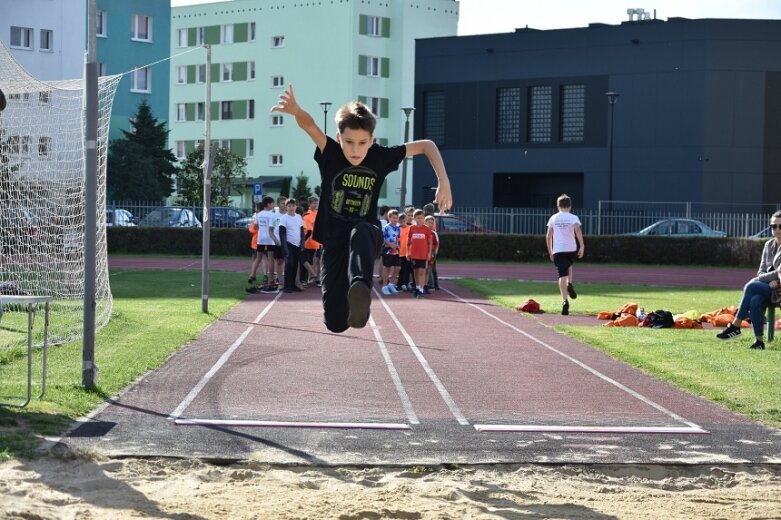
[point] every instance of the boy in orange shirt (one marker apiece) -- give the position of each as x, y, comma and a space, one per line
419, 247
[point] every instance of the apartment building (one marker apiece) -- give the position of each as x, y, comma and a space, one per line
49, 39
331, 51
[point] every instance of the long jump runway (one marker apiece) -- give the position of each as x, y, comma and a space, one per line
451, 378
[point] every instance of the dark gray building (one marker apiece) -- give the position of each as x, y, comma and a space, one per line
522, 117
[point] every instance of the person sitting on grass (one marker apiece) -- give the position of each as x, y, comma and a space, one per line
761, 291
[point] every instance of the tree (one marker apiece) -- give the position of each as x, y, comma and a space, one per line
302, 187
229, 170
140, 166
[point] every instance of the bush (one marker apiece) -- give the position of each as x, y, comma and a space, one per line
735, 252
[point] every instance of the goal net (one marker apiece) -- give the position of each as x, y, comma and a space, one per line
42, 194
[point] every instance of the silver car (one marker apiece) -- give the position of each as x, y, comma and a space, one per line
170, 217
679, 227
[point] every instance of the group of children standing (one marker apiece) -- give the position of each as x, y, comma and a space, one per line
283, 247
409, 250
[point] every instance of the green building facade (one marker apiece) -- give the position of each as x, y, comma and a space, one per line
330, 51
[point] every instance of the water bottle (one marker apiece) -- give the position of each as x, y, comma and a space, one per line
640, 314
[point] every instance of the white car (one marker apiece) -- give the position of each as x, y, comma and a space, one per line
118, 217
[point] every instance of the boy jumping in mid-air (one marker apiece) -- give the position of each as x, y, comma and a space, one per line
565, 242
352, 170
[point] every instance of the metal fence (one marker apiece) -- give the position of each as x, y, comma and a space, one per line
613, 219
533, 221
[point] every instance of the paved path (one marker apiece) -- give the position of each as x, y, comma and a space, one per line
448, 379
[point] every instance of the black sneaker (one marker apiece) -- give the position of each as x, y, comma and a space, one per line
359, 297
758, 345
565, 309
571, 291
269, 289
730, 332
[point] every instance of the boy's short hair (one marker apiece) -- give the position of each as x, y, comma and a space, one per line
393, 212
267, 200
564, 201
417, 212
384, 209
430, 218
291, 202
429, 209
355, 116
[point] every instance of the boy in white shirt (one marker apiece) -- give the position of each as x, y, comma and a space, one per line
268, 243
565, 242
293, 225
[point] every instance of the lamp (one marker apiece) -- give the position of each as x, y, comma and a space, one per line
403, 190
326, 105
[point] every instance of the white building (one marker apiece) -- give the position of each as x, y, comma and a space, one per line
46, 37
331, 51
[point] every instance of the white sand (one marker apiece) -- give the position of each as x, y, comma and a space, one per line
85, 488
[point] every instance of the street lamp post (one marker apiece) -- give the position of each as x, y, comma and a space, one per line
403, 190
612, 99
326, 105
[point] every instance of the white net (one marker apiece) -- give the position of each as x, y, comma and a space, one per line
42, 193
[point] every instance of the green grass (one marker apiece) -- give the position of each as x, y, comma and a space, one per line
155, 313
726, 372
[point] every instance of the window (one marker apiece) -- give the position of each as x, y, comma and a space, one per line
251, 109
181, 74
251, 71
277, 81
225, 144
275, 159
44, 145
200, 111
200, 74
277, 120
508, 115
181, 37
200, 37
21, 37
44, 97
47, 40
180, 112
101, 24
374, 105
102, 70
374, 26
252, 31
434, 116
573, 112
227, 33
181, 150
227, 72
277, 42
26, 139
250, 148
141, 28
373, 66
141, 80
226, 110
540, 111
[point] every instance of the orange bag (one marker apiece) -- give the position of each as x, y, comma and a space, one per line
625, 320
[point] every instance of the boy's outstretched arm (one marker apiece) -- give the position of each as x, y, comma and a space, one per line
287, 104
443, 197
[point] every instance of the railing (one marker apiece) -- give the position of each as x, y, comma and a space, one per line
605, 220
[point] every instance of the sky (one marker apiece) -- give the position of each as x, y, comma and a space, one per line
495, 16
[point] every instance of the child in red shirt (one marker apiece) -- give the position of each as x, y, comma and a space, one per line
419, 248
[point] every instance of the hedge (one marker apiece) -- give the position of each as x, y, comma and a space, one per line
736, 252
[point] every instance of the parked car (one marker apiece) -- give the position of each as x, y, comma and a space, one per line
170, 217
118, 217
450, 223
222, 216
679, 227
765, 233
243, 222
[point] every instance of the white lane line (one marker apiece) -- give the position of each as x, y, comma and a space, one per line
451, 404
220, 362
288, 424
587, 429
584, 366
403, 396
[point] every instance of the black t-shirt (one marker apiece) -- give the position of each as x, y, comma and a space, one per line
349, 193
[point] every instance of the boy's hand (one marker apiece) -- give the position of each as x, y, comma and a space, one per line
287, 102
443, 197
